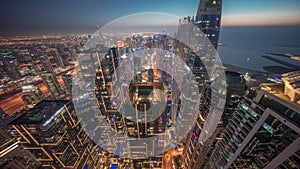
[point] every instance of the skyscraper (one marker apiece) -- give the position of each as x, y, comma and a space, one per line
53, 134
264, 132
12, 155
208, 19
196, 153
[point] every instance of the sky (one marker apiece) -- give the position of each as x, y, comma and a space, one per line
21, 17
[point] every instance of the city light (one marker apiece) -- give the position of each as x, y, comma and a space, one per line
207, 84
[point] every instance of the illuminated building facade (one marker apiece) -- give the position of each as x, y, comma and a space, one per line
264, 132
9, 66
53, 134
14, 156
195, 154
208, 19
31, 95
146, 87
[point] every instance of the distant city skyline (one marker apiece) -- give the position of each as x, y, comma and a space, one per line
45, 17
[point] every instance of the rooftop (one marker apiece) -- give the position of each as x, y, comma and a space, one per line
276, 90
292, 85
41, 114
293, 78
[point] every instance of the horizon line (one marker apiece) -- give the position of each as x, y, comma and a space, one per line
81, 32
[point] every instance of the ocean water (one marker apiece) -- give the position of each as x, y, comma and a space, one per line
244, 46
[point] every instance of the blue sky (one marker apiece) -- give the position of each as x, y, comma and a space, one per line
19, 16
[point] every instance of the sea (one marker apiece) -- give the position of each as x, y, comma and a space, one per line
245, 46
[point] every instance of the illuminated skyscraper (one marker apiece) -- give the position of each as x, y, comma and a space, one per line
12, 155
264, 132
53, 134
195, 153
208, 19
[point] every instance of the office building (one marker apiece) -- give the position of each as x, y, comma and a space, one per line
208, 20
12, 155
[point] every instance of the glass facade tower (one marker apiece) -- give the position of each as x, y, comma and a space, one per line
208, 19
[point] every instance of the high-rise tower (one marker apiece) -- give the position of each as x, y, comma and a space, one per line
208, 19
196, 153
52, 133
264, 132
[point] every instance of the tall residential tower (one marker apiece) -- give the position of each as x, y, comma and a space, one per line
264, 132
208, 19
